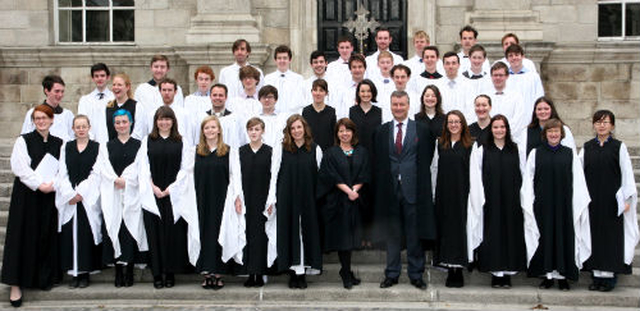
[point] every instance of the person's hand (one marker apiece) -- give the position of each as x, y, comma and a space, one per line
270, 209
76, 199
46, 187
353, 195
119, 183
157, 192
238, 205
627, 206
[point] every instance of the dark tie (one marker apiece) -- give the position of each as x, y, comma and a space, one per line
100, 95
399, 139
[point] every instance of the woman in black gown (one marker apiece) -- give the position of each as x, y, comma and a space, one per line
344, 170
543, 111
215, 174
124, 239
495, 221
255, 164
31, 242
480, 129
431, 110
292, 195
367, 119
320, 116
170, 240
555, 203
452, 191
78, 206
612, 187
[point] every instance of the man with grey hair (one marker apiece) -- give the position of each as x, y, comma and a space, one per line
403, 207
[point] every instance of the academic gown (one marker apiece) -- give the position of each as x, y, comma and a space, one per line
295, 205
531, 137
80, 223
495, 220
124, 235
435, 124
387, 222
478, 134
216, 183
31, 242
555, 203
366, 125
322, 125
341, 219
255, 185
451, 166
610, 181
167, 237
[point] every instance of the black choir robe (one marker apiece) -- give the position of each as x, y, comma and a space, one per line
31, 253
167, 239
604, 178
79, 166
120, 157
383, 187
435, 125
129, 105
479, 135
452, 193
322, 125
341, 219
296, 209
256, 173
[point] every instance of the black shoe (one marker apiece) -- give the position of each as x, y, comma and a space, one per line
169, 280
596, 284
563, 285
128, 275
251, 281
419, 284
16, 303
496, 281
259, 281
119, 282
75, 282
546, 284
450, 278
157, 282
207, 283
388, 282
506, 281
607, 285
302, 282
354, 280
293, 280
346, 279
455, 278
83, 280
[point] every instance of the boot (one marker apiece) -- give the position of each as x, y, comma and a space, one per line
347, 282
128, 276
119, 282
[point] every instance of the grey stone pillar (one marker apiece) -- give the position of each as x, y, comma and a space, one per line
220, 21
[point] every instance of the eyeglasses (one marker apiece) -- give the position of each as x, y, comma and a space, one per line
601, 122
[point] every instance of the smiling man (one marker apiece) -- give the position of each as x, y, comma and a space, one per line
288, 83
383, 41
241, 50
147, 94
53, 87
100, 76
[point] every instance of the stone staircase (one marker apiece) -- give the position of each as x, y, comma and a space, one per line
325, 291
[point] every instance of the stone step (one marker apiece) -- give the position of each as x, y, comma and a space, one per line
5, 189
635, 161
365, 296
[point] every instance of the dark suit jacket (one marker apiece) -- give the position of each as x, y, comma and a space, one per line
416, 155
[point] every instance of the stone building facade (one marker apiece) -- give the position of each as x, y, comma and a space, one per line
580, 71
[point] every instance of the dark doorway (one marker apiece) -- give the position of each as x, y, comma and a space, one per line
391, 14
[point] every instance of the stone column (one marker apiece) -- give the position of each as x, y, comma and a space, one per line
303, 32
220, 21
513, 16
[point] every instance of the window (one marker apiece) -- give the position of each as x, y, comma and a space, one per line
619, 19
94, 21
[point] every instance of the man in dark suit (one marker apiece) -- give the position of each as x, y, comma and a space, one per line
403, 202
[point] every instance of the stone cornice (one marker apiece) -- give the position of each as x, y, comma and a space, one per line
599, 53
84, 56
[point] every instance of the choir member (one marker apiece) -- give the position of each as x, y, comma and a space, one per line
431, 112
494, 222
451, 168
166, 190
255, 164
543, 111
480, 129
185, 125
344, 170
555, 204
384, 82
357, 67
217, 188
79, 214
199, 100
477, 77
523, 80
456, 91
31, 242
506, 101
612, 187
292, 195
229, 121
469, 38
124, 236
246, 103
432, 70
318, 62
288, 83
102, 129
274, 123
339, 68
320, 117
383, 40
241, 50
148, 93
421, 40
53, 87
367, 117
100, 76
508, 40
